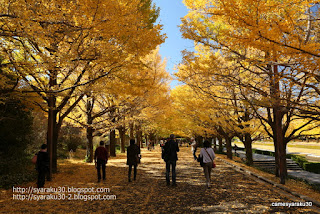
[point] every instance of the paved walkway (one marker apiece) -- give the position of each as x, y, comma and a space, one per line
309, 177
231, 192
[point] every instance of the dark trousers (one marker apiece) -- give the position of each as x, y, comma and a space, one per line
194, 153
134, 172
173, 165
41, 178
101, 164
207, 167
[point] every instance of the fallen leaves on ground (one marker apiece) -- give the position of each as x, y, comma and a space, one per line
231, 191
295, 185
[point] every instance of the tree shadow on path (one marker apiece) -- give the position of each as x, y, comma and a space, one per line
231, 192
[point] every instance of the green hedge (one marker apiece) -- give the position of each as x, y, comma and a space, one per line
305, 164
298, 159
15, 139
16, 170
312, 167
263, 152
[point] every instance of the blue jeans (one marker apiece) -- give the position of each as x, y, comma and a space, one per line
173, 164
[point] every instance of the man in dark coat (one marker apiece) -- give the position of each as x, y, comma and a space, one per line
42, 165
133, 158
100, 159
170, 156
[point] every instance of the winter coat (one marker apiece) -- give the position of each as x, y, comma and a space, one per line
42, 161
132, 154
170, 151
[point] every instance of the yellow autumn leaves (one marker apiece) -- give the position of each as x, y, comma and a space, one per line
250, 57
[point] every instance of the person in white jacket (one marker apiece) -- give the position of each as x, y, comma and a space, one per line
208, 156
194, 148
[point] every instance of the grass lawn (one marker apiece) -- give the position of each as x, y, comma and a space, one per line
291, 145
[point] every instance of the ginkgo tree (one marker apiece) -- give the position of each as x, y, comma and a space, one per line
187, 111
267, 41
155, 102
204, 72
59, 47
117, 101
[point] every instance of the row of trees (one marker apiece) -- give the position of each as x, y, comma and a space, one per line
95, 64
254, 71
92, 63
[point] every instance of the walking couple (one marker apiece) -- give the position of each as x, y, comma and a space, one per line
133, 158
170, 157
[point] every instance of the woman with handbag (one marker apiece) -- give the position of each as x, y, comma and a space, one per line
133, 158
207, 155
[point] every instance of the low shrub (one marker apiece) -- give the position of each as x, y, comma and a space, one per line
312, 167
16, 170
300, 160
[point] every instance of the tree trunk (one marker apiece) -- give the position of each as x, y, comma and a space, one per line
229, 147
248, 145
89, 144
122, 132
281, 147
278, 116
108, 149
276, 157
199, 140
131, 127
283, 163
139, 136
55, 147
90, 130
52, 136
113, 143
220, 144
50, 142
152, 137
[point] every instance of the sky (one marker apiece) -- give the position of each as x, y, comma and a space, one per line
170, 13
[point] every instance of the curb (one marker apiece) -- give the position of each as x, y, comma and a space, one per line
280, 186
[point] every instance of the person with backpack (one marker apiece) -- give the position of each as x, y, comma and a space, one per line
207, 155
170, 156
42, 165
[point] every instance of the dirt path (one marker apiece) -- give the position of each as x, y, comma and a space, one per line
232, 192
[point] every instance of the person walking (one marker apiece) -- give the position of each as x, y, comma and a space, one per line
208, 156
101, 159
133, 158
162, 143
194, 148
170, 157
42, 165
